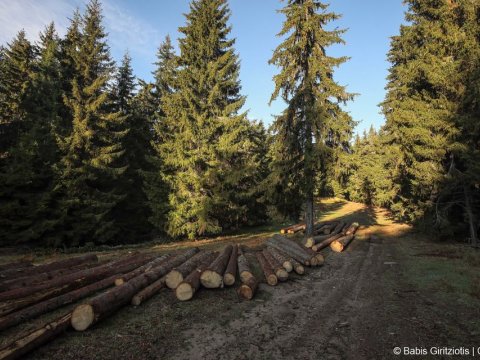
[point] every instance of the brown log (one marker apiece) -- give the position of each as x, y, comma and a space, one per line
281, 258
278, 269
31, 295
148, 292
21, 264
340, 244
87, 314
55, 265
285, 230
297, 267
267, 269
352, 228
212, 277
176, 276
191, 284
338, 229
296, 228
231, 271
293, 249
54, 303
314, 259
141, 269
326, 242
243, 267
247, 289
31, 280
36, 338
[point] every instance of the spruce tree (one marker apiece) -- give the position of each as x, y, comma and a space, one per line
422, 98
313, 120
88, 169
209, 135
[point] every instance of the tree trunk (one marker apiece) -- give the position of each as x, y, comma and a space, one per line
149, 291
36, 338
54, 303
296, 228
17, 265
243, 267
247, 289
87, 314
280, 272
191, 284
300, 253
141, 269
340, 244
327, 242
56, 265
352, 228
471, 217
231, 271
309, 172
212, 277
267, 269
297, 267
281, 258
176, 276
75, 280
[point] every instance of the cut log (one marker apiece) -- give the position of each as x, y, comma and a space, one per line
293, 249
31, 295
188, 287
284, 260
285, 230
148, 292
326, 242
352, 228
338, 229
340, 244
56, 265
231, 271
87, 314
21, 264
247, 289
176, 276
296, 228
244, 267
297, 267
212, 277
267, 269
141, 269
278, 269
36, 338
54, 303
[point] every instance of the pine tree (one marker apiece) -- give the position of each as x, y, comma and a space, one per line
88, 170
209, 136
132, 213
313, 120
422, 98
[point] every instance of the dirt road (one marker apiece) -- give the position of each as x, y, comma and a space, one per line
359, 305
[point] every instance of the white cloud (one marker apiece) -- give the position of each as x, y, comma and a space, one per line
33, 16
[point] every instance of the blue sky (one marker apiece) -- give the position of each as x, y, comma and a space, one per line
140, 26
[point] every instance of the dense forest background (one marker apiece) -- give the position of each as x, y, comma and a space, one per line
91, 154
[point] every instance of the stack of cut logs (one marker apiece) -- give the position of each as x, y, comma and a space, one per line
28, 291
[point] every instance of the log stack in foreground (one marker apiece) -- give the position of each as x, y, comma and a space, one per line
212, 277
188, 287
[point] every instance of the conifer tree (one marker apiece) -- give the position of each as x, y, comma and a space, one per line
205, 151
88, 169
313, 120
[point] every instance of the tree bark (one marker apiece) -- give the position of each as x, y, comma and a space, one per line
149, 291
267, 269
54, 303
296, 228
212, 277
55, 265
191, 284
87, 314
247, 289
281, 258
176, 276
243, 267
340, 244
75, 280
297, 267
326, 242
17, 265
352, 228
280, 272
298, 252
141, 269
471, 217
36, 338
231, 271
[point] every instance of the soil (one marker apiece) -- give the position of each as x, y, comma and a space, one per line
360, 305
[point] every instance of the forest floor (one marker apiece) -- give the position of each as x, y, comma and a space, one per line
403, 290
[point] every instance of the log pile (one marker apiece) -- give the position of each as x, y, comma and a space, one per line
28, 291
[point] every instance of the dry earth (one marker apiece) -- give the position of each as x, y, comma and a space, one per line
402, 290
